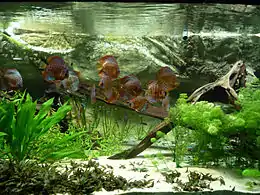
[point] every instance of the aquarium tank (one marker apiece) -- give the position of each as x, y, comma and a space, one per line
129, 98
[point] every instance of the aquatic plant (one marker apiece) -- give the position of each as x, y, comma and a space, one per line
217, 135
54, 145
118, 123
251, 173
76, 178
196, 181
22, 125
78, 112
102, 132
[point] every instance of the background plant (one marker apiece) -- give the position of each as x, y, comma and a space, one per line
217, 137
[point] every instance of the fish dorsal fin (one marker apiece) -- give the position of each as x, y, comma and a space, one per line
52, 59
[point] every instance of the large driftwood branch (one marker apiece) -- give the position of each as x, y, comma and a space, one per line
234, 79
164, 127
85, 90
224, 89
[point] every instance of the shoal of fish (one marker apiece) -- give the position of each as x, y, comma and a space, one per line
127, 89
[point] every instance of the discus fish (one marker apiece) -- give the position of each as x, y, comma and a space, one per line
108, 65
108, 71
71, 83
55, 60
10, 79
138, 103
112, 95
105, 82
156, 91
130, 87
55, 70
167, 77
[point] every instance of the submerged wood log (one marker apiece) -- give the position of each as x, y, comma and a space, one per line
224, 89
85, 90
164, 127
229, 83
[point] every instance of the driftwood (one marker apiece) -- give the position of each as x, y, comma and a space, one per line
164, 127
224, 89
229, 83
152, 111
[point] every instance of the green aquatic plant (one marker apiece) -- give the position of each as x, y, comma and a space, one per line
22, 126
218, 136
251, 173
54, 145
72, 178
102, 132
180, 133
118, 123
159, 158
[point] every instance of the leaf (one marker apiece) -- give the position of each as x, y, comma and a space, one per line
45, 108
2, 134
251, 173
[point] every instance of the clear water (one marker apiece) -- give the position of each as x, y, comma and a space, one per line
146, 37
131, 19
40, 21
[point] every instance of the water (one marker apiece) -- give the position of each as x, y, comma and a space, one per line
144, 36
132, 19
122, 19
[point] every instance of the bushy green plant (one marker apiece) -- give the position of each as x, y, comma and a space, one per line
22, 127
200, 124
54, 145
218, 135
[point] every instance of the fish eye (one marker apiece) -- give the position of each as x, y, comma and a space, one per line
240, 63
130, 104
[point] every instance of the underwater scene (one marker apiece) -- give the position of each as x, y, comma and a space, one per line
129, 98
